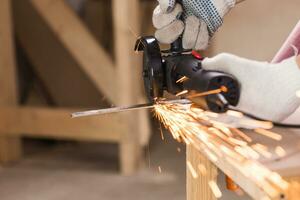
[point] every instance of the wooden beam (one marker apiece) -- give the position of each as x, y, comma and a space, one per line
198, 187
126, 27
51, 60
97, 17
57, 123
10, 147
92, 59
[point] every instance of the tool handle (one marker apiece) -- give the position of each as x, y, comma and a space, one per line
200, 81
176, 46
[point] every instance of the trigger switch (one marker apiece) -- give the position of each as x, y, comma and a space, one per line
197, 55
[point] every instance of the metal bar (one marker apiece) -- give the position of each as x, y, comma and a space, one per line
112, 110
124, 108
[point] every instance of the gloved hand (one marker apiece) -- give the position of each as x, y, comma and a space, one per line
202, 18
268, 91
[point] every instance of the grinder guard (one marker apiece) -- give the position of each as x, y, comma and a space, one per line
153, 74
162, 69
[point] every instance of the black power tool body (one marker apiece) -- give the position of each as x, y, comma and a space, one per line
163, 69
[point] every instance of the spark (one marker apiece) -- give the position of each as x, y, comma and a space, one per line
256, 123
223, 128
242, 135
182, 93
269, 134
280, 151
247, 152
159, 169
216, 91
262, 150
215, 189
217, 141
202, 169
253, 154
192, 170
182, 79
161, 132
238, 142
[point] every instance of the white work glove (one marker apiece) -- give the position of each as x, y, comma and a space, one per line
202, 18
268, 91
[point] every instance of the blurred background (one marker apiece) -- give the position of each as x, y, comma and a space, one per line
60, 56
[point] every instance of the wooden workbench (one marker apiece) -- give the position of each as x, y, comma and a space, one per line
288, 167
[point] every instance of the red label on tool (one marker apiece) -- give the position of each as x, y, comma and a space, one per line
197, 55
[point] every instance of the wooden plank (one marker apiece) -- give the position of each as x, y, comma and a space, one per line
198, 187
57, 123
53, 64
7, 57
10, 147
241, 179
97, 17
294, 189
193, 191
84, 48
126, 27
288, 166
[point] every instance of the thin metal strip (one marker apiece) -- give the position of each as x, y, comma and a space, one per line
123, 108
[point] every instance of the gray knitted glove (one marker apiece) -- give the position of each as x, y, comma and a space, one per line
201, 19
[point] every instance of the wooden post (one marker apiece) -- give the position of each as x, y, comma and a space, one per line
10, 147
126, 27
198, 188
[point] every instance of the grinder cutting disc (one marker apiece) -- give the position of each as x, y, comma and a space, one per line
153, 71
